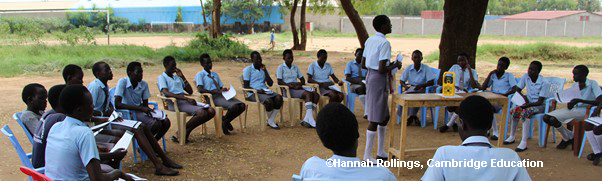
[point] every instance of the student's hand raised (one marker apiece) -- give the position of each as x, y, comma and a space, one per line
493, 72
179, 72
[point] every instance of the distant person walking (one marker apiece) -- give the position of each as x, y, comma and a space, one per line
272, 40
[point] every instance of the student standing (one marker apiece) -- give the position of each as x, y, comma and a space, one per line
377, 54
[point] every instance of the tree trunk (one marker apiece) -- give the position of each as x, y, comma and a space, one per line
462, 24
303, 28
204, 16
294, 26
215, 19
356, 20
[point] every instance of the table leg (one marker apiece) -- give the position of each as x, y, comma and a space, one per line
500, 139
402, 137
391, 131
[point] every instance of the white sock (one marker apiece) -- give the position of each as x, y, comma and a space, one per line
494, 127
369, 141
381, 141
452, 119
525, 136
309, 116
599, 139
593, 141
566, 133
272, 114
512, 131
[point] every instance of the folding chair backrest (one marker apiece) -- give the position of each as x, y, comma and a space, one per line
555, 85
24, 158
37, 176
17, 117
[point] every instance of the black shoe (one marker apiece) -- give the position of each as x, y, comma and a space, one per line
417, 121
591, 157
520, 150
170, 172
443, 128
229, 126
494, 137
508, 142
597, 159
455, 127
175, 140
563, 144
225, 129
382, 158
276, 127
305, 124
410, 121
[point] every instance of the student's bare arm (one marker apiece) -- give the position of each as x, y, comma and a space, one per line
356, 80
247, 85
166, 93
201, 89
187, 86
486, 82
95, 173
335, 78
116, 155
268, 79
383, 68
120, 105
426, 84
364, 63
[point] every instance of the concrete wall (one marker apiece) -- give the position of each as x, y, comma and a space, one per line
326, 22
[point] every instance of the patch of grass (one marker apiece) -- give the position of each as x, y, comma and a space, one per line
40, 58
546, 52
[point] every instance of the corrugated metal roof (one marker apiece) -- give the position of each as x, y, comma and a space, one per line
541, 15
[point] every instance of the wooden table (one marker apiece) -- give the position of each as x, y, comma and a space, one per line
431, 100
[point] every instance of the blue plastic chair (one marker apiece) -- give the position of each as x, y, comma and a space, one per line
127, 114
423, 110
17, 117
297, 177
25, 157
350, 97
584, 136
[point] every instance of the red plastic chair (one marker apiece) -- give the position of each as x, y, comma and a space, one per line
37, 176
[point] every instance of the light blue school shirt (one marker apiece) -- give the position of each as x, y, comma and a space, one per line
415, 77
208, 81
463, 74
534, 89
590, 92
255, 77
174, 84
315, 168
131, 95
70, 147
476, 153
503, 84
320, 74
288, 75
353, 68
377, 48
100, 95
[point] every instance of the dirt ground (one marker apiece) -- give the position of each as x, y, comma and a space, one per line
277, 154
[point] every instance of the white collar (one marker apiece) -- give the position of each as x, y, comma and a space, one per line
476, 139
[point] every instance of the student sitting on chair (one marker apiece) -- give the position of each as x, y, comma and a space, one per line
356, 78
73, 74
534, 103
209, 82
146, 139
594, 136
475, 112
338, 131
500, 82
590, 92
132, 93
173, 83
34, 96
288, 74
415, 79
319, 72
466, 78
71, 152
255, 76
56, 115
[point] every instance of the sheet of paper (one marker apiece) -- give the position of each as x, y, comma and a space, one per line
334, 88
98, 126
114, 116
158, 114
202, 104
268, 91
127, 123
124, 142
364, 81
455, 96
596, 121
230, 93
308, 88
412, 89
517, 99
97, 132
567, 95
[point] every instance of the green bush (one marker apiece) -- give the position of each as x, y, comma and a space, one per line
81, 35
220, 48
